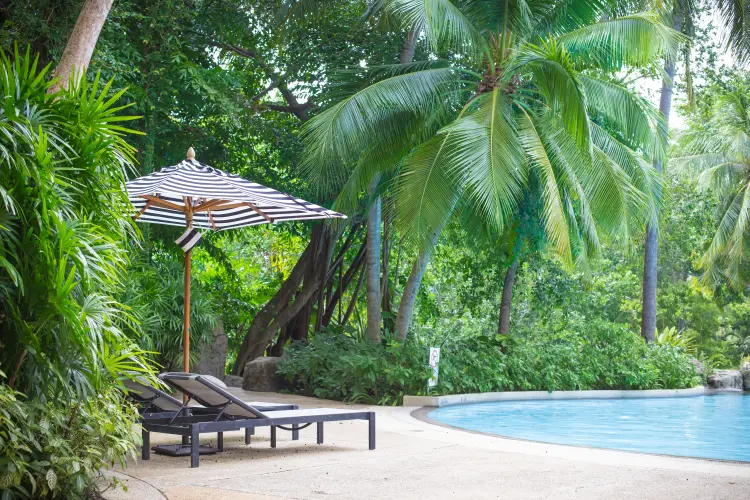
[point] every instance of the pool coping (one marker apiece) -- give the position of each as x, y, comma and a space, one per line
423, 415
489, 397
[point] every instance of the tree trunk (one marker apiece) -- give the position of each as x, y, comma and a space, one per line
77, 54
289, 300
372, 268
386, 260
337, 296
507, 298
407, 53
355, 296
408, 299
651, 251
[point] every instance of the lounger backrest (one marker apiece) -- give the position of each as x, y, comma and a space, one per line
210, 391
140, 389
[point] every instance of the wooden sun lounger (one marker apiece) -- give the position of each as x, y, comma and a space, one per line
233, 414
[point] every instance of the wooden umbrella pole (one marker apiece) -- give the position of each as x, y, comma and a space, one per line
186, 327
188, 261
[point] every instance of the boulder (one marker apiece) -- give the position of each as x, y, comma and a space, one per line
725, 380
745, 370
212, 356
260, 375
233, 380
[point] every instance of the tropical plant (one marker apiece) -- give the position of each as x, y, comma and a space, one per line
50, 452
586, 354
682, 339
523, 102
64, 226
718, 151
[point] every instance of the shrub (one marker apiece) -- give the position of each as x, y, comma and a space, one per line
339, 367
48, 450
583, 355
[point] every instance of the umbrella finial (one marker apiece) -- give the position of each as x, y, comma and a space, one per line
190, 153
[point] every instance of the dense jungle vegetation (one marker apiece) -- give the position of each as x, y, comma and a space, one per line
514, 192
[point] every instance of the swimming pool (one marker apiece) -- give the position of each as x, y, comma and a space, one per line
705, 426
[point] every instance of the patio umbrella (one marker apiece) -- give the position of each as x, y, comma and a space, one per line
194, 195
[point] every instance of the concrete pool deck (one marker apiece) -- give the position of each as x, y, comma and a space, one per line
415, 459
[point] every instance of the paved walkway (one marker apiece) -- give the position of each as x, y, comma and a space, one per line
418, 460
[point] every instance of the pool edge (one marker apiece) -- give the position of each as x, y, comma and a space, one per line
490, 397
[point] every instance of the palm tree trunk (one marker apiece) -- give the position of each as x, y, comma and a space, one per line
372, 268
374, 219
651, 251
408, 299
507, 298
77, 54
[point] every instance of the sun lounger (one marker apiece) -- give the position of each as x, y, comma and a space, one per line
155, 403
233, 414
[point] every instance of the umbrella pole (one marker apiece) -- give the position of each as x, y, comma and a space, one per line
186, 326
188, 261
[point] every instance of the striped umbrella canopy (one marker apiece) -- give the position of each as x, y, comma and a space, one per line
194, 195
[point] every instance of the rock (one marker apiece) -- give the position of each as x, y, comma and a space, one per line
212, 356
260, 375
745, 370
725, 380
698, 366
233, 380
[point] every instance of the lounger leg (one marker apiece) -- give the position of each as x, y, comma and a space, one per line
220, 441
248, 433
194, 446
320, 432
185, 440
273, 436
146, 450
295, 432
371, 422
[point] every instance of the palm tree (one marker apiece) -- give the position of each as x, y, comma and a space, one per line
718, 150
733, 14
522, 99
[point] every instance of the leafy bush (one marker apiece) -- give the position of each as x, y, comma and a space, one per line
64, 225
339, 367
585, 355
49, 450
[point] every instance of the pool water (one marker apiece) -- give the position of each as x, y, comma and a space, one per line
705, 426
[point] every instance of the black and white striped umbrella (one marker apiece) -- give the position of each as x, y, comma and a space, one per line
216, 200
196, 196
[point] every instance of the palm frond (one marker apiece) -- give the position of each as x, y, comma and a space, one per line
634, 40
339, 135
637, 120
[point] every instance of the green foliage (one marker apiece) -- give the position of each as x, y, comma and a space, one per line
670, 336
717, 151
342, 368
154, 293
63, 228
583, 355
53, 450
63, 225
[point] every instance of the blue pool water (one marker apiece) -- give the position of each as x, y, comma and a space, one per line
705, 426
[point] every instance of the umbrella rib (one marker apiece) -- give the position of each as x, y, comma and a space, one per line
162, 203
211, 219
264, 215
143, 210
206, 205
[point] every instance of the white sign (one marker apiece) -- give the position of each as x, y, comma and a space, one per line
434, 360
